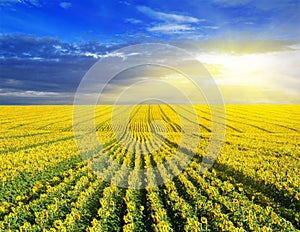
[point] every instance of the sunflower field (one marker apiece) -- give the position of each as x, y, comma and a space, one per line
254, 185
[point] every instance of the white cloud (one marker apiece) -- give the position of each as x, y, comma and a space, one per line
170, 23
34, 2
295, 46
28, 2
112, 54
167, 17
94, 55
171, 28
27, 93
120, 55
65, 5
59, 48
212, 27
173, 76
132, 20
275, 71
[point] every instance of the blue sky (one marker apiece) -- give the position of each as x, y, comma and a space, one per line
106, 21
47, 46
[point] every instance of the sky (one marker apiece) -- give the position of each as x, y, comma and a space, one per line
251, 48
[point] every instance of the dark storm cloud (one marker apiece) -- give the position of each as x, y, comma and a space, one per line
31, 65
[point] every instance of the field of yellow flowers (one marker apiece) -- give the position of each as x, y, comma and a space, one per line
45, 185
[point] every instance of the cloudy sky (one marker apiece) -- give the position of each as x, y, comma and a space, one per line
250, 47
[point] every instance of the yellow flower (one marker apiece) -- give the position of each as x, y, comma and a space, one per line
42, 214
203, 220
126, 218
94, 222
2, 209
34, 189
58, 224
77, 216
